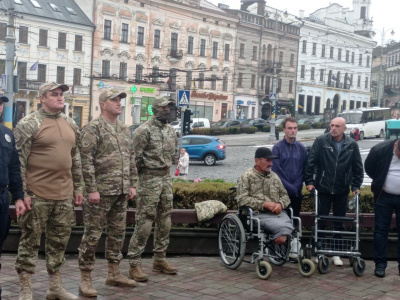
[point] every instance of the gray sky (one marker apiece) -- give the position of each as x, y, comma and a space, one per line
384, 12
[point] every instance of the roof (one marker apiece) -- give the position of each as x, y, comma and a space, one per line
46, 11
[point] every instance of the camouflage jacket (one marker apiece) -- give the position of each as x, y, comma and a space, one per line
156, 145
108, 160
25, 132
255, 188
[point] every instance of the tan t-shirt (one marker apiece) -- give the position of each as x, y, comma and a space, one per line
48, 173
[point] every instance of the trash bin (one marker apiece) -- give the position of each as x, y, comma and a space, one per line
277, 134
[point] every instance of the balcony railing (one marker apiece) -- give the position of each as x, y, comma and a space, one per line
175, 54
25, 84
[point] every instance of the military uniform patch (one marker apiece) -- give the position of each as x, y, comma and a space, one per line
7, 137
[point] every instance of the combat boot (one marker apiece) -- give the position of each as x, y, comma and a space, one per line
86, 288
56, 290
25, 292
161, 265
114, 277
136, 272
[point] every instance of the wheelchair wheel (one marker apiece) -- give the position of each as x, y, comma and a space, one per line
352, 260
277, 254
264, 270
231, 241
323, 264
307, 267
359, 268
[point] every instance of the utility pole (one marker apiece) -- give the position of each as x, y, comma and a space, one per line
272, 136
10, 53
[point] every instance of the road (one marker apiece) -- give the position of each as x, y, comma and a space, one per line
240, 155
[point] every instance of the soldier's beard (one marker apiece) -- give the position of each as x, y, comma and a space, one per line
162, 116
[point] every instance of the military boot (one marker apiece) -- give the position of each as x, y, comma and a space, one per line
56, 290
114, 277
136, 272
86, 288
25, 292
161, 265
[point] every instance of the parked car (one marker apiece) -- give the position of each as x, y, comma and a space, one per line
304, 121
225, 123
259, 123
317, 119
204, 148
278, 122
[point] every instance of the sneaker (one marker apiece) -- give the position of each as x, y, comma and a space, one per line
316, 259
294, 245
337, 261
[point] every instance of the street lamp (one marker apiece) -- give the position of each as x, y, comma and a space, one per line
380, 80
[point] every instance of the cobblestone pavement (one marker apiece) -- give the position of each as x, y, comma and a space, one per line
207, 278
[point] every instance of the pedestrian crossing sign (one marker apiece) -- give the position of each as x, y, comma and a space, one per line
272, 97
183, 98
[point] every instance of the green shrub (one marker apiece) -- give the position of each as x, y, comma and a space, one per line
317, 125
304, 126
266, 129
201, 131
234, 130
219, 131
249, 130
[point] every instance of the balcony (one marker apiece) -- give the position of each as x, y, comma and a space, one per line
25, 84
174, 55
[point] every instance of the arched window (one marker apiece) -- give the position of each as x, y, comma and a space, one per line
269, 53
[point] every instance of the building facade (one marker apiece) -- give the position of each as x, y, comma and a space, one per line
392, 79
53, 43
335, 59
151, 49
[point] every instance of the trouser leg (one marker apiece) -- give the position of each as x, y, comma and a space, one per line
295, 203
4, 218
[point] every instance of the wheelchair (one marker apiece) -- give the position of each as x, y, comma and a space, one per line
237, 229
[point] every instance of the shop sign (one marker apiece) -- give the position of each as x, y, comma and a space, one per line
147, 90
102, 85
251, 102
209, 96
239, 102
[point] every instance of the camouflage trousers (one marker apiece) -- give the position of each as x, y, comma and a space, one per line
154, 204
110, 213
56, 217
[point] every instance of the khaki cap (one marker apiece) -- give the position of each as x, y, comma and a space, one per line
49, 86
160, 102
110, 94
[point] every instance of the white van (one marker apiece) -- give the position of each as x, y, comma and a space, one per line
199, 123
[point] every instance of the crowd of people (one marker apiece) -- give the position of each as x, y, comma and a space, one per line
48, 165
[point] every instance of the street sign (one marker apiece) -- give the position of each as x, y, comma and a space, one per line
272, 97
183, 98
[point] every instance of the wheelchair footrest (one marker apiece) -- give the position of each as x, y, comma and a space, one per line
335, 218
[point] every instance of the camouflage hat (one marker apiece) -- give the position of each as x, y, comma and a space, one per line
206, 210
160, 102
49, 86
110, 94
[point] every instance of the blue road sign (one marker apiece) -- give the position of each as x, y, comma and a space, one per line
183, 98
272, 97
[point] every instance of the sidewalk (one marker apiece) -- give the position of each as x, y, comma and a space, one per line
208, 278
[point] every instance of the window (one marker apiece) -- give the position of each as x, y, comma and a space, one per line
43, 38
331, 52
363, 12
35, 4
226, 56
78, 42
107, 29
359, 81
42, 73
339, 55
190, 44
3, 31
2, 66
225, 83
213, 82
77, 77
253, 81
360, 60
352, 57
281, 56
201, 80
323, 51
240, 80
70, 10
215, 50
241, 50
157, 37
216, 22
290, 86
23, 34
155, 73
262, 82
18, 2
140, 36
312, 73
62, 40
55, 8
351, 80
321, 75
22, 69
304, 50
267, 84
174, 43
292, 60
124, 33
61, 75
105, 71
366, 82
123, 70
188, 79
347, 55
279, 89
303, 71
139, 73
202, 47
330, 78
172, 79
254, 53
368, 61
314, 49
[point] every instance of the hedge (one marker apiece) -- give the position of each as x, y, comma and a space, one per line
317, 125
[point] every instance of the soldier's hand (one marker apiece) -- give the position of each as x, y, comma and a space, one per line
277, 208
78, 199
132, 193
356, 192
20, 207
94, 198
309, 188
28, 203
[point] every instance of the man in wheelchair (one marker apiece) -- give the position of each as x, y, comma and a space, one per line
262, 190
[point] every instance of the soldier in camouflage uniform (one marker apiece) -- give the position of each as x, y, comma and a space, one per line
262, 190
109, 171
52, 182
156, 147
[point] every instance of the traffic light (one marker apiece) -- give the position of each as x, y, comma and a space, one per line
178, 113
186, 121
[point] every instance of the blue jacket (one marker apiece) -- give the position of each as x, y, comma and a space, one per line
289, 165
10, 168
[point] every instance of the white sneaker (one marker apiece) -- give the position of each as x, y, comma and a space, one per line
337, 261
316, 259
294, 244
